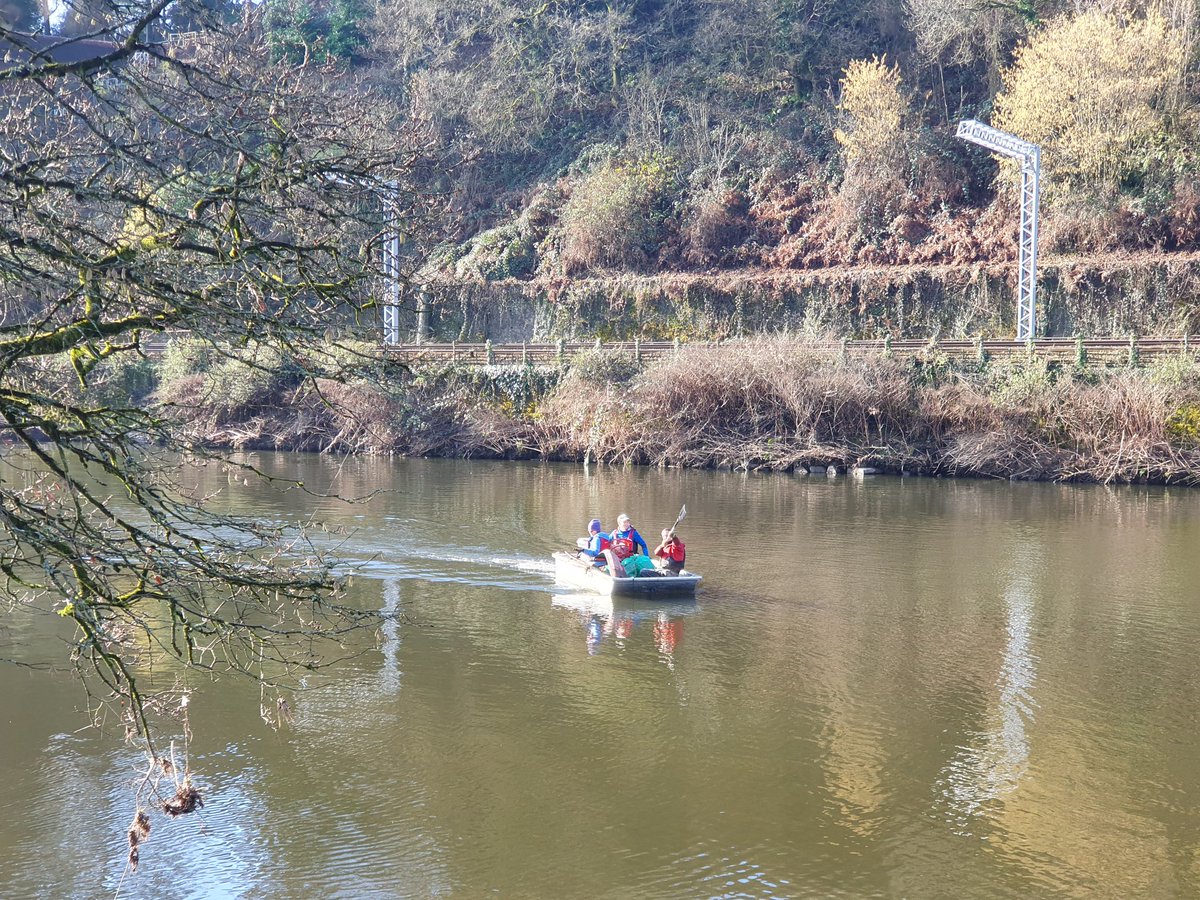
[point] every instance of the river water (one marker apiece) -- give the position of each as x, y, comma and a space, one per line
893, 688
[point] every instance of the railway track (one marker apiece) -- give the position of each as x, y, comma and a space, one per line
1109, 351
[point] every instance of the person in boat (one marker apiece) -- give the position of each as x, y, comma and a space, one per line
671, 551
598, 542
626, 541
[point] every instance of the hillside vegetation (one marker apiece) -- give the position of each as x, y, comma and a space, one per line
666, 135
599, 137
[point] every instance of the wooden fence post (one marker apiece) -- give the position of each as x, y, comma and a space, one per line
1080, 352
489, 354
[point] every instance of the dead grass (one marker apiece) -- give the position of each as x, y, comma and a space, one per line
780, 403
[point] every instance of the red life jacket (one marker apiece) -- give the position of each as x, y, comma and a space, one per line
674, 550
622, 547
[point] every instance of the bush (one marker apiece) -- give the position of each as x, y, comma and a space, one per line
198, 375
875, 112
517, 389
503, 252
1183, 425
617, 214
603, 367
876, 142
716, 222
1183, 216
184, 356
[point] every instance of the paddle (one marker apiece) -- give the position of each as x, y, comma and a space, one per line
682, 513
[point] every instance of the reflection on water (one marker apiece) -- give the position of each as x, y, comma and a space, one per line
899, 688
389, 672
615, 617
983, 773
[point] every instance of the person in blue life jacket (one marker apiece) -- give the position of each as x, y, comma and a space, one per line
626, 541
598, 542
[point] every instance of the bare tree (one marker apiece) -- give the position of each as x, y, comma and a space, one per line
147, 188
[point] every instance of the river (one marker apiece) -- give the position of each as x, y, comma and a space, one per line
890, 687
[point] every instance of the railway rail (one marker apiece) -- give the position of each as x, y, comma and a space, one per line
1110, 351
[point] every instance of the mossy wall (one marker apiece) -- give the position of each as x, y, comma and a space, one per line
1158, 296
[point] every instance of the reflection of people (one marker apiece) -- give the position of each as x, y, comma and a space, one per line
625, 540
667, 633
671, 551
598, 542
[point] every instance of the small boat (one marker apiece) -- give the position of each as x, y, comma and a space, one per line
578, 571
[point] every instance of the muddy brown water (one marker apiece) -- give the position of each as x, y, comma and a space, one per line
892, 688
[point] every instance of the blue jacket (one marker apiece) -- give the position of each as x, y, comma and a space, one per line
632, 535
598, 542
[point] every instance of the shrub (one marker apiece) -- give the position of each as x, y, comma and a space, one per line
603, 367
1021, 383
716, 222
235, 383
1183, 425
198, 375
516, 388
185, 355
876, 144
875, 112
1183, 216
616, 215
498, 253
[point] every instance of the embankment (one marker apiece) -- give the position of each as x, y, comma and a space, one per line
1099, 296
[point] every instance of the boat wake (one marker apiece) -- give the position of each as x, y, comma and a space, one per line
474, 566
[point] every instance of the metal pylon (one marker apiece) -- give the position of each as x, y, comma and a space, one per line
1031, 171
1030, 157
391, 267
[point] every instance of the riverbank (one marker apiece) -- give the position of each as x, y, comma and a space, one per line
758, 404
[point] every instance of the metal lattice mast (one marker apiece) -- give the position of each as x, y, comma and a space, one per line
391, 266
1027, 254
1029, 156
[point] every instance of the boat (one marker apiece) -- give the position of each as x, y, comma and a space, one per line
578, 571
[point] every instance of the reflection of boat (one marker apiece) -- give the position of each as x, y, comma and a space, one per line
629, 607
571, 569
616, 617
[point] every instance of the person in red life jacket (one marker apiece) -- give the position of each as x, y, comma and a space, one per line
626, 541
598, 542
671, 551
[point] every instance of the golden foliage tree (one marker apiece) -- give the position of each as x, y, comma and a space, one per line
1098, 94
874, 110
